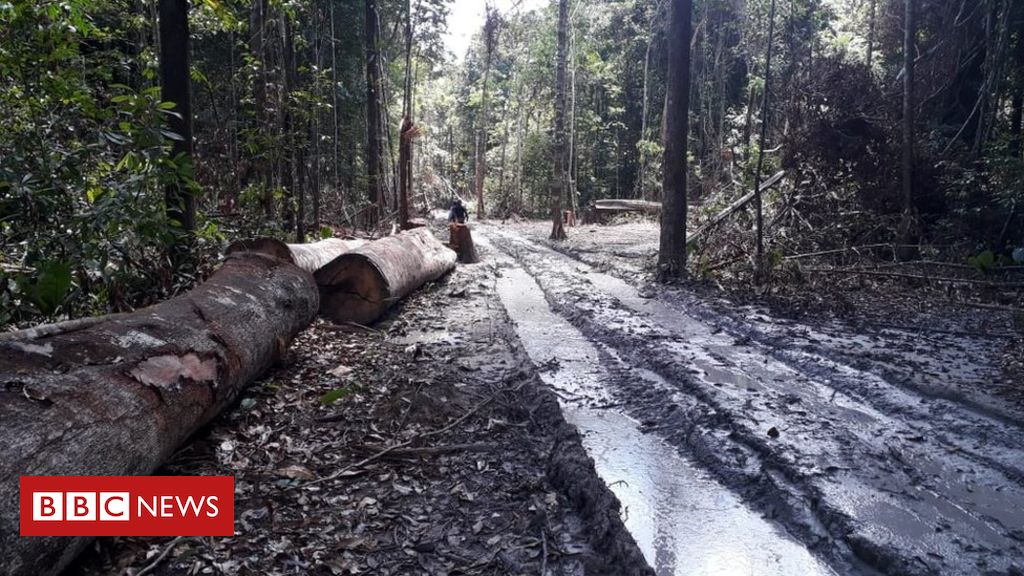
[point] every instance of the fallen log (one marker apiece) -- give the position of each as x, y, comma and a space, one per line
117, 395
626, 205
740, 203
461, 240
359, 286
309, 257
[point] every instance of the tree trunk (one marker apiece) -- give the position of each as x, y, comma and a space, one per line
460, 239
117, 395
910, 25
309, 257
360, 286
407, 131
176, 87
374, 167
672, 249
483, 125
560, 176
765, 116
871, 33
641, 176
405, 149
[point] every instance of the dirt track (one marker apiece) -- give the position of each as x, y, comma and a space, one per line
884, 451
736, 441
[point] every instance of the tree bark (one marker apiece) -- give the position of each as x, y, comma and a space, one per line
483, 126
118, 395
176, 87
460, 239
374, 164
763, 142
407, 131
910, 25
309, 257
405, 150
672, 249
361, 285
559, 183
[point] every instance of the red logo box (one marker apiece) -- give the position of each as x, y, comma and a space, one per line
127, 505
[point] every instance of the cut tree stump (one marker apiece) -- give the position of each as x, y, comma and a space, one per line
359, 286
117, 395
310, 257
461, 240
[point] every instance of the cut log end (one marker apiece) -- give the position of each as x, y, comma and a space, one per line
360, 286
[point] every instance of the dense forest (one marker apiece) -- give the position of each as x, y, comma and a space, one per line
137, 137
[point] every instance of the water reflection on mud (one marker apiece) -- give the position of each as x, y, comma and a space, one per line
684, 521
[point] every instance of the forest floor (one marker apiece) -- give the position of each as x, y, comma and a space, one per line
425, 445
816, 429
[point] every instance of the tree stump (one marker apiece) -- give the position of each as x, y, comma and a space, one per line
461, 241
117, 395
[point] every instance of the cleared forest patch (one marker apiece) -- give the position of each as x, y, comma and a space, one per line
423, 445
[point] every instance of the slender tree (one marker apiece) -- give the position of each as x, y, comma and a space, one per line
560, 174
374, 138
176, 87
765, 113
910, 32
483, 125
672, 250
407, 129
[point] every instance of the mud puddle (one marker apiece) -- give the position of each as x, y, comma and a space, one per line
684, 521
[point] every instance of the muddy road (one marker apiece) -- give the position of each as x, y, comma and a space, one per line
739, 443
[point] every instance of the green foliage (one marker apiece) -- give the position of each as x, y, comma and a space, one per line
984, 262
48, 290
333, 396
83, 163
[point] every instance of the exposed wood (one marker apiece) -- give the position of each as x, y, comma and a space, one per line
119, 394
461, 241
739, 203
310, 257
623, 205
359, 286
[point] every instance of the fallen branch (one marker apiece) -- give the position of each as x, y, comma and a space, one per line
389, 449
163, 555
438, 450
1009, 285
740, 203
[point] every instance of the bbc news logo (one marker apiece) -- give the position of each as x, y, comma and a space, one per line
127, 505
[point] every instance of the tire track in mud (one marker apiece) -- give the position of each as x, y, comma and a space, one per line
851, 475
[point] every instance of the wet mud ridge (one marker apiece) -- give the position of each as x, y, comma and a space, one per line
855, 468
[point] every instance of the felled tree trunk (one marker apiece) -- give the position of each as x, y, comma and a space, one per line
309, 257
625, 205
460, 240
117, 395
361, 285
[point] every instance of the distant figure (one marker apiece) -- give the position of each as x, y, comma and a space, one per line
458, 213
